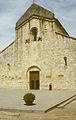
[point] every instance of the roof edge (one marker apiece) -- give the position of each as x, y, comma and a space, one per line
7, 47
66, 35
34, 16
61, 26
45, 12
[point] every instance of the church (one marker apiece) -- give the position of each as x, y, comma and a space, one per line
43, 55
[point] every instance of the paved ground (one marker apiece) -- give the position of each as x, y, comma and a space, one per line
66, 113
12, 100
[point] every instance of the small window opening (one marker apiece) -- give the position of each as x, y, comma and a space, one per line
50, 86
34, 33
65, 59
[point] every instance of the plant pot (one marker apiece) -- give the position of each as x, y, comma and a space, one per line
29, 98
29, 102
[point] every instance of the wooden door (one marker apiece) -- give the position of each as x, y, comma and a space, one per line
34, 79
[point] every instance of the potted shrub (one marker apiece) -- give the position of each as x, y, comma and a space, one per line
29, 98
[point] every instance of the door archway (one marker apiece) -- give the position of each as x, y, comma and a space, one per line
34, 77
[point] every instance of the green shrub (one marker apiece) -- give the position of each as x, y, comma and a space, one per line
29, 98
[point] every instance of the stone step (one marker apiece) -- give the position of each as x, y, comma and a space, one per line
8, 115
62, 104
67, 102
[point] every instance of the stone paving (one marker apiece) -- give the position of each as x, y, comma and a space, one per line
66, 113
13, 99
9, 115
12, 105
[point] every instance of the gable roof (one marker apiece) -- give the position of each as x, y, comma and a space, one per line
37, 10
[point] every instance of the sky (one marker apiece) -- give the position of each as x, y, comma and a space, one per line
12, 10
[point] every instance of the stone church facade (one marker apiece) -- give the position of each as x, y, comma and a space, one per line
43, 55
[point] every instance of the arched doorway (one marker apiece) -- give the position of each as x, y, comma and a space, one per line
34, 77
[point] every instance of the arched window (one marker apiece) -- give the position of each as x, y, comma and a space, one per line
34, 31
65, 59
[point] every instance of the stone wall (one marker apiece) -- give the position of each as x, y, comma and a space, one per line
7, 65
47, 54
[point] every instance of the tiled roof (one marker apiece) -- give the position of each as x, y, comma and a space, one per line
37, 10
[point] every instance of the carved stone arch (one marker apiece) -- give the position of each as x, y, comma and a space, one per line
33, 67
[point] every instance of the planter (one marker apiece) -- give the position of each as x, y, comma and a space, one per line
29, 102
29, 98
